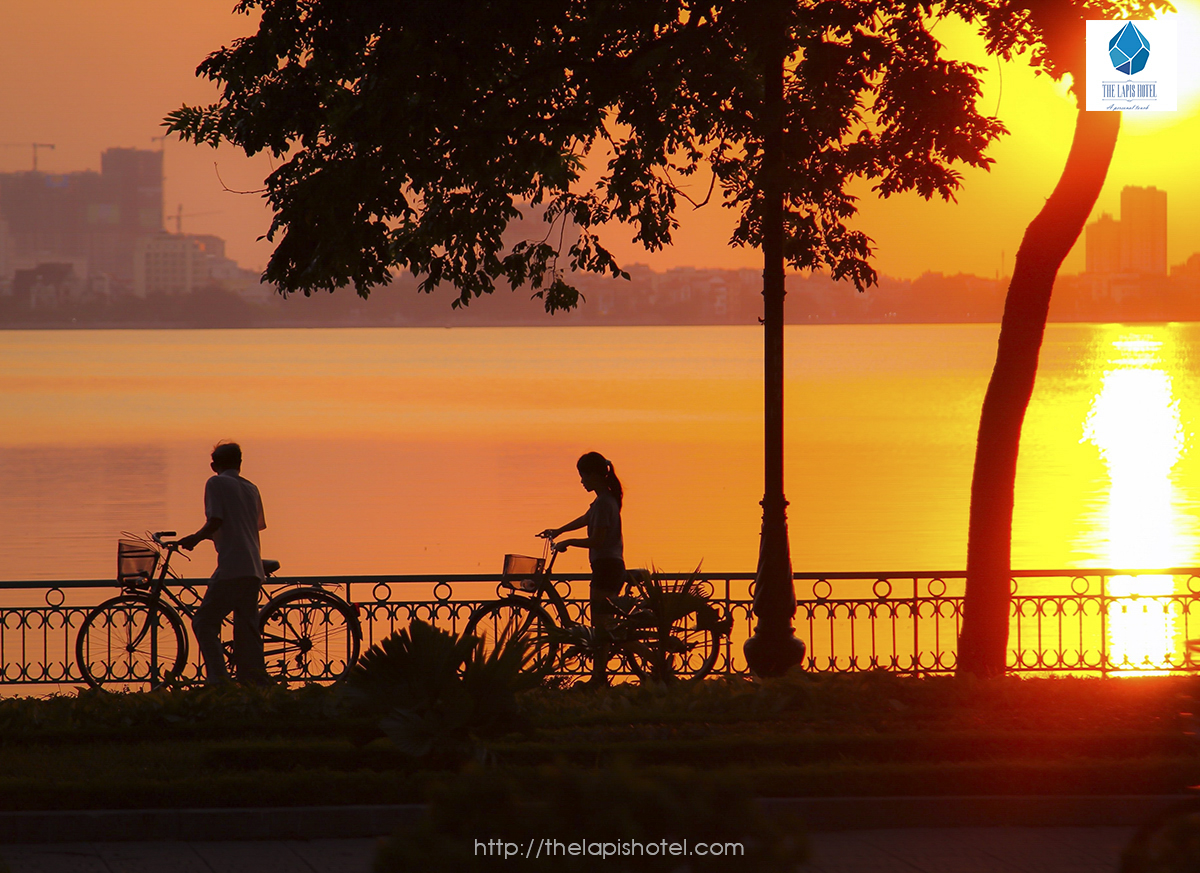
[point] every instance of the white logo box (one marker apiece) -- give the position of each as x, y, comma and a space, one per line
1155, 88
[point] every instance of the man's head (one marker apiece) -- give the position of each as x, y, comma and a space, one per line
226, 456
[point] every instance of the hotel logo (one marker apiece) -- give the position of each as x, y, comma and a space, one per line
1128, 50
1131, 66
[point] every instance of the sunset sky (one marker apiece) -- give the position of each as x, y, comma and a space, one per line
86, 76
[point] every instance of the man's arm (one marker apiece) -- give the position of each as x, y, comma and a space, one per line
211, 526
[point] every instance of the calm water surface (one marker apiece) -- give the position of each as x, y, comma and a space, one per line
416, 450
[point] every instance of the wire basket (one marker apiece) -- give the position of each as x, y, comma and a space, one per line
521, 572
136, 563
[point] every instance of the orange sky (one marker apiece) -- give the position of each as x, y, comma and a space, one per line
88, 75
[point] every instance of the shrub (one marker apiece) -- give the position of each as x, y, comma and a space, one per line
438, 694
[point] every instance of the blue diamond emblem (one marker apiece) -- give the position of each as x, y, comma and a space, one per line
1129, 50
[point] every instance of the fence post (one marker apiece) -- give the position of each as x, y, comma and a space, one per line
916, 620
729, 636
1103, 626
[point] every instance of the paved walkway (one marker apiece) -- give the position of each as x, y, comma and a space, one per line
911, 850
969, 850
280, 856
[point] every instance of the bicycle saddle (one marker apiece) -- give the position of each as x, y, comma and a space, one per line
269, 566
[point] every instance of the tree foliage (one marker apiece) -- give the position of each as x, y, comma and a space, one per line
411, 133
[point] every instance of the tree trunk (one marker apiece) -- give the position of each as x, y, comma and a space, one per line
983, 642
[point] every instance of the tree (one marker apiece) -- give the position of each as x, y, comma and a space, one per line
411, 132
1056, 32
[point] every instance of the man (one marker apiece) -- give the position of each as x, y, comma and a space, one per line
234, 516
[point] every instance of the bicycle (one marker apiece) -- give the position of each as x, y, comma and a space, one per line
662, 632
138, 639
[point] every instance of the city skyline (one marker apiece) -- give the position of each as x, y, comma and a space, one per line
108, 76
103, 232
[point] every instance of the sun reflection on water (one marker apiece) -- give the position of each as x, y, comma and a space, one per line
1135, 424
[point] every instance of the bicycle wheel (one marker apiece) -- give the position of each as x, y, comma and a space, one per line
116, 641
309, 635
687, 653
579, 653
517, 617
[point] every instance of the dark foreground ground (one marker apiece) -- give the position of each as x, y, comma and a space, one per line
1018, 742
801, 736
932, 850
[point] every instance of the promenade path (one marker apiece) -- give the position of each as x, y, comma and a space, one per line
909, 850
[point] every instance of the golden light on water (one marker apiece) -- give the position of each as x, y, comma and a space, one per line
1135, 424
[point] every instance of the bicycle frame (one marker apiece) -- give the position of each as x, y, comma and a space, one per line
158, 586
547, 589
154, 593
299, 621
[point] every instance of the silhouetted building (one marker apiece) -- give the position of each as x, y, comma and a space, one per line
1127, 259
5, 250
1135, 245
1144, 231
46, 285
1104, 245
1188, 271
174, 263
168, 263
85, 218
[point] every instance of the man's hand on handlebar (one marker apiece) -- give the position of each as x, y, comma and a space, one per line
550, 533
189, 542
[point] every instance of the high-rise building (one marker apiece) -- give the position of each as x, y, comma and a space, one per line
5, 251
1144, 231
84, 218
1135, 244
1103, 242
181, 263
168, 263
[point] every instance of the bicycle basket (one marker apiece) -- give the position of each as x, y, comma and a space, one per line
520, 572
136, 563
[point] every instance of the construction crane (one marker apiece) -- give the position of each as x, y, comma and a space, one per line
35, 145
179, 216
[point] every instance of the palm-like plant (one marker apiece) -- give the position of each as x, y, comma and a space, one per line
439, 694
672, 619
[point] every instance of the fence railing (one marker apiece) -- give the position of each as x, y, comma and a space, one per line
1085, 621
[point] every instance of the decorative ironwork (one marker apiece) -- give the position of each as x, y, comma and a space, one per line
1094, 622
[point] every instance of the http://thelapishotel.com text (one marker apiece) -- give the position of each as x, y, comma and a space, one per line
547, 847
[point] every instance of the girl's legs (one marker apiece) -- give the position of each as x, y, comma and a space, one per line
608, 575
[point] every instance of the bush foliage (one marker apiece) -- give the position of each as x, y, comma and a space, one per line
438, 693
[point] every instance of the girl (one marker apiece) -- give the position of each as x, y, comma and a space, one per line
606, 548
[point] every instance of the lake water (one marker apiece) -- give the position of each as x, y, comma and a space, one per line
432, 450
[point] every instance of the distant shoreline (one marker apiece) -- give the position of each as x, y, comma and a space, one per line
41, 327
678, 298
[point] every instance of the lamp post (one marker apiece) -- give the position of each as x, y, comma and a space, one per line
773, 647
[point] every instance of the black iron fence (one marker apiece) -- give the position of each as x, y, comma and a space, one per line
1086, 621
